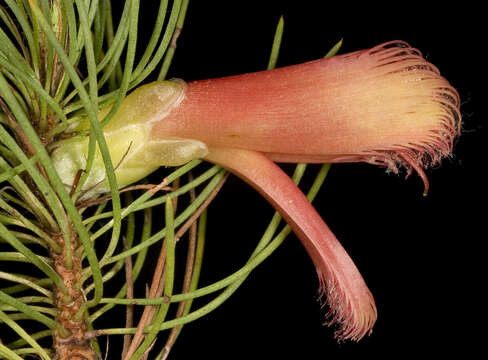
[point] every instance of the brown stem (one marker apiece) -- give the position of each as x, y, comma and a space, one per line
75, 346
155, 290
129, 317
157, 284
190, 261
19, 133
153, 188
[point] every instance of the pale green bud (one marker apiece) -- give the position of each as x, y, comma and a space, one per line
134, 153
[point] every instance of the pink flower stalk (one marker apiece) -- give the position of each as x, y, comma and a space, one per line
385, 106
350, 302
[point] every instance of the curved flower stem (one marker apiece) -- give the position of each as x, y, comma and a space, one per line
351, 303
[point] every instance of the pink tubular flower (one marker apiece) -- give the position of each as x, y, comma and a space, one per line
386, 106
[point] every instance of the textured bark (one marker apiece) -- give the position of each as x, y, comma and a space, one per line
75, 346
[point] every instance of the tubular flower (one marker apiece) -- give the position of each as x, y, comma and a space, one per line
386, 105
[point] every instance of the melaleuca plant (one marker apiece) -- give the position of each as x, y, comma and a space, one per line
81, 128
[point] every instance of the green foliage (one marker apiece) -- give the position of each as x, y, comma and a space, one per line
61, 61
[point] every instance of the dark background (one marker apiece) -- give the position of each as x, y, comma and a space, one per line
421, 257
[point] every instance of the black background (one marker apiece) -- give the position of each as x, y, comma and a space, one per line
421, 257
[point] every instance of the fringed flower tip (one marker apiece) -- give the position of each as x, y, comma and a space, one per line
353, 316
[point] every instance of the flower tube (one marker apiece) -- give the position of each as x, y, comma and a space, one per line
386, 105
